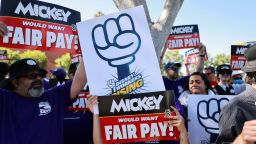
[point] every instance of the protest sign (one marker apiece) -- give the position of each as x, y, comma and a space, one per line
203, 115
119, 54
183, 37
136, 117
192, 56
36, 25
237, 56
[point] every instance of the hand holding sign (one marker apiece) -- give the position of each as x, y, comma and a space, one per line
120, 37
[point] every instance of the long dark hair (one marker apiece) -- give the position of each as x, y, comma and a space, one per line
204, 78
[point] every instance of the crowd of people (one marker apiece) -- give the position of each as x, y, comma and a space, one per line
35, 110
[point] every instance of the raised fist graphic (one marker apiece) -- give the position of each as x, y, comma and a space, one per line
116, 41
208, 113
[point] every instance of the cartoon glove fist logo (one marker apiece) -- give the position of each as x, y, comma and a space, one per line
116, 41
208, 113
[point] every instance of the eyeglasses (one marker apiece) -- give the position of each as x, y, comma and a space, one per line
175, 69
208, 73
32, 75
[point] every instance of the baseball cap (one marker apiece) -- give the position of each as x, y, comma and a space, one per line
60, 73
24, 66
171, 64
223, 68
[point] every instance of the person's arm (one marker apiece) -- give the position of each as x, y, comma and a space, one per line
248, 135
200, 64
178, 121
97, 138
187, 68
3, 29
79, 81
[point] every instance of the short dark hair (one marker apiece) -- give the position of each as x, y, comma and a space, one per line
204, 78
211, 68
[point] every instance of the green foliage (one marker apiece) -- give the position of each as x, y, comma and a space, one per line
63, 61
171, 56
12, 55
219, 59
37, 55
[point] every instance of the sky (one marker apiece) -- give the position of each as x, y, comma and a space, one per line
221, 22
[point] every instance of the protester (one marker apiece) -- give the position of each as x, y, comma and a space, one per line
197, 84
58, 77
210, 72
224, 87
78, 120
237, 77
179, 122
173, 81
237, 119
30, 115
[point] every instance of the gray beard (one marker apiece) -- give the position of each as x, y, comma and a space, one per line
36, 92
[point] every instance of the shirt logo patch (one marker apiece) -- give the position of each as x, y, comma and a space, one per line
44, 108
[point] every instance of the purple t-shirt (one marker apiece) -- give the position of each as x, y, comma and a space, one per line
33, 120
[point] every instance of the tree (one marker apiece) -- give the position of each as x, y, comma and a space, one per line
160, 29
63, 61
12, 55
37, 55
171, 56
219, 59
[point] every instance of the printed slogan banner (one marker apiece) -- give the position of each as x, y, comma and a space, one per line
119, 54
203, 115
136, 117
36, 25
192, 56
183, 37
81, 102
237, 56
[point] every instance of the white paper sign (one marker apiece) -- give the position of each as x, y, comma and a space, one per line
203, 115
119, 54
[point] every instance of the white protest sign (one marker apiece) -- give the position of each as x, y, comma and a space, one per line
203, 115
119, 54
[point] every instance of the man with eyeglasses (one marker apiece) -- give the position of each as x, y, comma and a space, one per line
28, 113
238, 118
210, 72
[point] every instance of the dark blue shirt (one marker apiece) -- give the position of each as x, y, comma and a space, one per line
33, 120
175, 85
78, 122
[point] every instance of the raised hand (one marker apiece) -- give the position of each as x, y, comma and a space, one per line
116, 41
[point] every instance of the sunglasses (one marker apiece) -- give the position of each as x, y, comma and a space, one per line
175, 69
208, 73
32, 75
